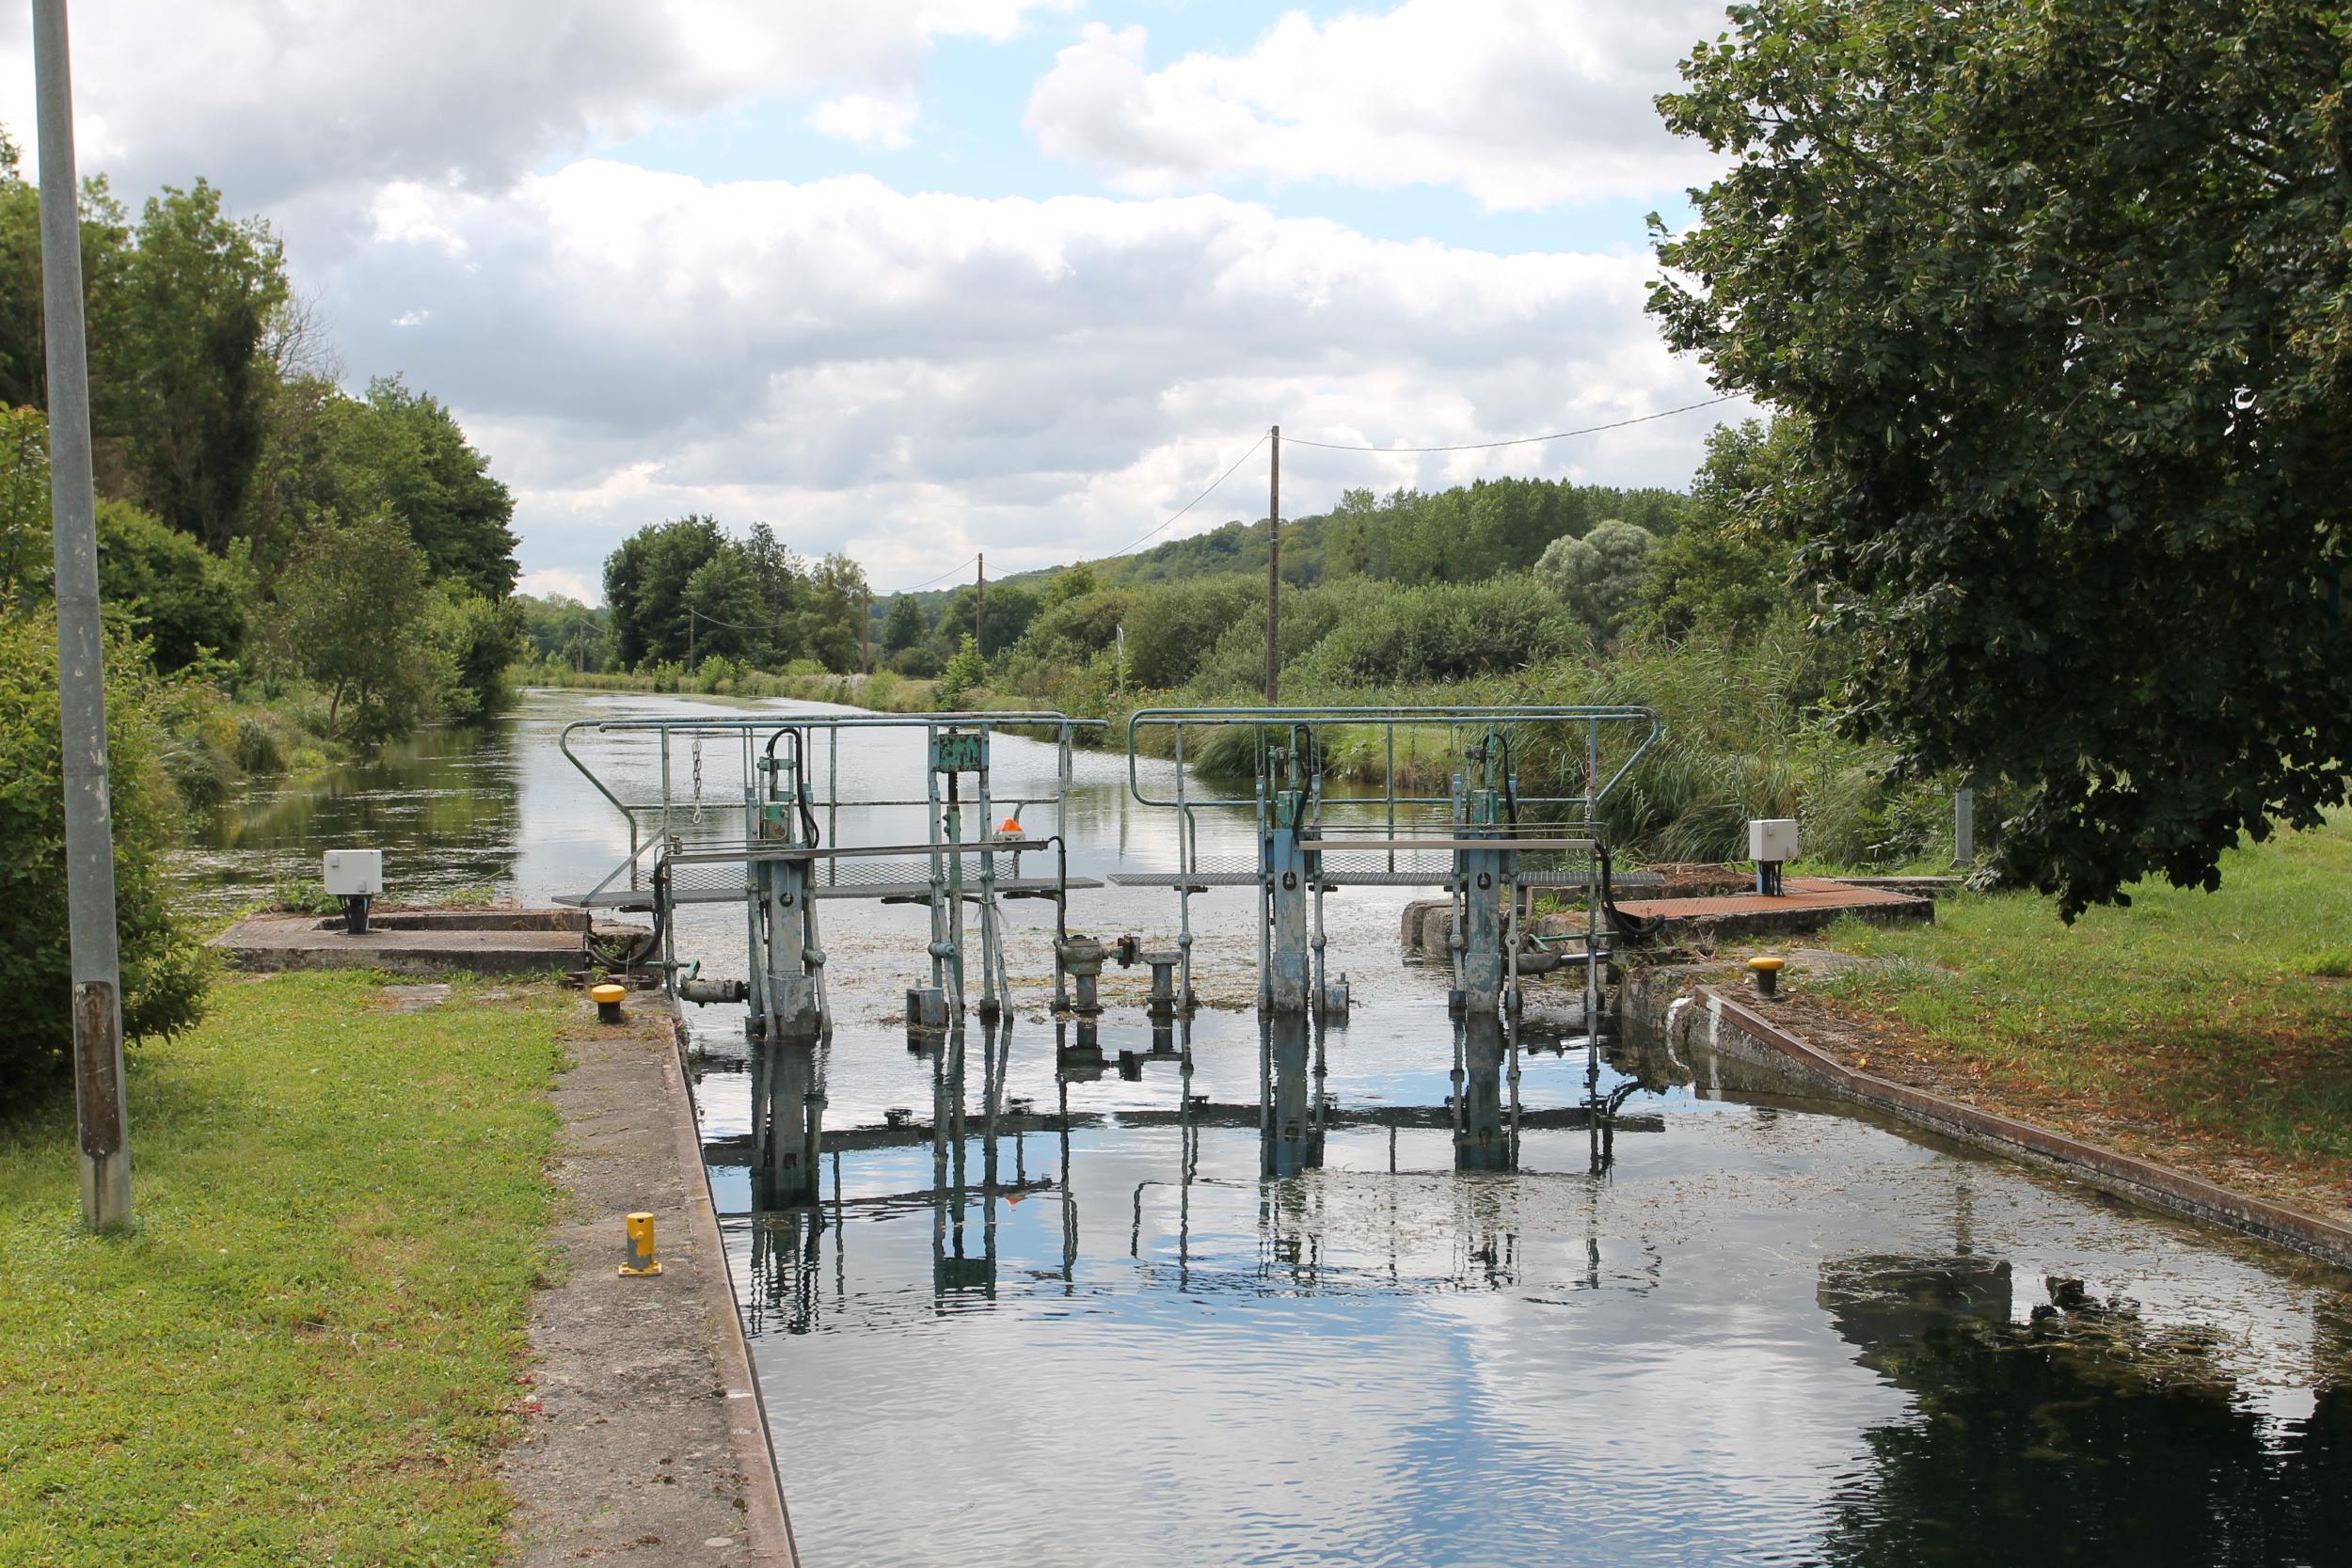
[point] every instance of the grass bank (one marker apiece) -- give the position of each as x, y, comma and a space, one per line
308, 1347
883, 691
2208, 1031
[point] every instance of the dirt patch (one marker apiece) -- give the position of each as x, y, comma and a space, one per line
1700, 880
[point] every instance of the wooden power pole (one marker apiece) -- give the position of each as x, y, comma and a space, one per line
979, 608
1274, 576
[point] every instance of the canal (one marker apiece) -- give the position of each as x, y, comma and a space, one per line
1186, 1331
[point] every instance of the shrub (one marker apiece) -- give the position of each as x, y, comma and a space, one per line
1600, 574
964, 671
1171, 628
306, 897
257, 750
1075, 627
163, 965
185, 599
718, 673
1443, 632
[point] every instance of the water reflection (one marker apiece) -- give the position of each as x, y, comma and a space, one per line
2081, 1432
1290, 1124
787, 1120
1481, 1140
443, 803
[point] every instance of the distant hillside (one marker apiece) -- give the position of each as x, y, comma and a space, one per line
1463, 534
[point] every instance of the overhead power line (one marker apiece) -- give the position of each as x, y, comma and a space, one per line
1197, 500
893, 592
710, 620
1518, 440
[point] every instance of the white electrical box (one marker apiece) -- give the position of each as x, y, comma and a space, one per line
354, 871
1773, 839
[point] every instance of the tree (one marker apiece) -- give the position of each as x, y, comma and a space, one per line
784, 591
1071, 582
965, 672
198, 294
1599, 573
730, 616
644, 584
906, 626
187, 601
1010, 609
24, 547
1170, 631
564, 630
24, 334
475, 641
836, 623
350, 613
2062, 297
1728, 568
404, 452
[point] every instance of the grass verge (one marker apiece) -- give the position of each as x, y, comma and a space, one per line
2212, 1031
307, 1348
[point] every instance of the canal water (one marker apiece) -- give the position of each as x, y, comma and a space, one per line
1257, 1301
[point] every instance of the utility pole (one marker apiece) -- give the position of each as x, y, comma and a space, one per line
1274, 576
979, 608
690, 638
865, 633
90, 856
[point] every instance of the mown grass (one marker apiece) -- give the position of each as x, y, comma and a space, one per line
2217, 1023
305, 1350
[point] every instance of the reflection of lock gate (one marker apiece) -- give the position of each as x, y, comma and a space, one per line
1479, 849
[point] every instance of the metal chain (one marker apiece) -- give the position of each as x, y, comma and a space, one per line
698, 784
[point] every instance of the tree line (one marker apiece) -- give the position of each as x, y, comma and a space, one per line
686, 591
287, 569
254, 515
1467, 533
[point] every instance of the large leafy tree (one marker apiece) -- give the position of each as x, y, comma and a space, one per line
1726, 569
1599, 573
2062, 296
833, 627
644, 583
905, 625
23, 335
190, 377
351, 616
403, 452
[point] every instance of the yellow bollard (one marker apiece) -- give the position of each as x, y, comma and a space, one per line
608, 999
637, 1258
1767, 971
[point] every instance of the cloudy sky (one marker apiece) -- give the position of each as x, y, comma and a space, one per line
913, 278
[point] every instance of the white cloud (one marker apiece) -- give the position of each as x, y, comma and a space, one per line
869, 120
913, 377
1523, 104
557, 584
909, 377
276, 100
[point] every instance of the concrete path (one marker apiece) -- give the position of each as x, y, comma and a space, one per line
649, 1446
279, 941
